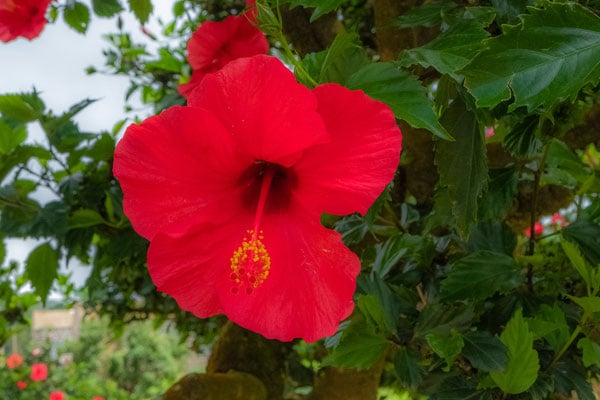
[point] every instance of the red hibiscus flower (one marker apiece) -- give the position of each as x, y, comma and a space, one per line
559, 220
98, 398
39, 372
538, 229
57, 396
230, 191
14, 361
21, 385
214, 44
24, 18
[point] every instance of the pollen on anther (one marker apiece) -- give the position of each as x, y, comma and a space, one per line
250, 263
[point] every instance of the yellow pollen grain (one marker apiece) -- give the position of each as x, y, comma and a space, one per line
251, 262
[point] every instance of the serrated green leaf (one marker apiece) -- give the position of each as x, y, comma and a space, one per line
569, 376
406, 364
492, 236
167, 61
550, 323
376, 315
339, 61
547, 58
500, 193
84, 218
402, 92
522, 141
578, 262
563, 167
427, 14
586, 234
590, 304
321, 7
447, 347
77, 16
456, 388
462, 164
21, 107
479, 275
51, 220
450, 51
11, 137
591, 352
106, 8
359, 347
141, 9
442, 319
523, 362
41, 268
485, 351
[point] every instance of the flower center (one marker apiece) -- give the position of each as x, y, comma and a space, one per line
251, 262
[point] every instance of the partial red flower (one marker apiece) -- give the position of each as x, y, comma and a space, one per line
14, 361
214, 44
559, 220
98, 398
230, 191
57, 396
39, 372
24, 18
538, 229
21, 385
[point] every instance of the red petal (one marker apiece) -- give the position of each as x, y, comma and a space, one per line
347, 174
214, 44
309, 288
270, 115
174, 166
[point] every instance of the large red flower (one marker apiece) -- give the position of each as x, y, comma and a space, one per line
39, 372
57, 396
24, 18
230, 191
14, 361
214, 44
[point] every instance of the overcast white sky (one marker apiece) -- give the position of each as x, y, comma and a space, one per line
55, 64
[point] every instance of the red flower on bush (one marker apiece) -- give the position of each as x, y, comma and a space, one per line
24, 18
57, 396
14, 361
538, 229
39, 372
98, 398
21, 385
230, 191
214, 44
559, 220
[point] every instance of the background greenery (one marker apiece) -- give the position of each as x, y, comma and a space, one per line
455, 301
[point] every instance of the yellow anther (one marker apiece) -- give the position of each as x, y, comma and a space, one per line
250, 263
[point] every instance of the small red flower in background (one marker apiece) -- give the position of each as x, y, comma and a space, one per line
559, 220
21, 385
98, 398
230, 191
14, 361
24, 18
538, 229
214, 44
57, 396
39, 372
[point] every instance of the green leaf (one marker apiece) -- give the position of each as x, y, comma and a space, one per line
442, 319
586, 234
321, 7
547, 58
462, 164
500, 193
590, 304
406, 364
450, 51
84, 218
563, 167
591, 352
550, 323
77, 16
479, 275
167, 61
492, 236
106, 8
359, 347
427, 14
21, 107
447, 347
523, 363
41, 268
51, 220
569, 376
2, 250
521, 141
579, 263
11, 137
141, 9
401, 91
344, 57
484, 351
456, 388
